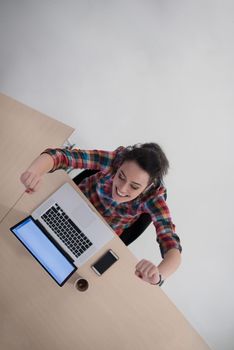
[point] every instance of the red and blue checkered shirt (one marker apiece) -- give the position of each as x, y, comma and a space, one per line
98, 189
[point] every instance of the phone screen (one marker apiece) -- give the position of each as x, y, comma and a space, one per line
108, 259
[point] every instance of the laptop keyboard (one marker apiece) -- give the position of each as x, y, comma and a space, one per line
66, 230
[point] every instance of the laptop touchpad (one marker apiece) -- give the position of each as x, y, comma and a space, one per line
83, 215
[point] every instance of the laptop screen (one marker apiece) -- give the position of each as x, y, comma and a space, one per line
47, 254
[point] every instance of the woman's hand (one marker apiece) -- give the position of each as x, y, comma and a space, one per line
31, 181
32, 177
147, 271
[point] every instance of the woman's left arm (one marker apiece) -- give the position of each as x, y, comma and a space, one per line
170, 263
167, 238
151, 273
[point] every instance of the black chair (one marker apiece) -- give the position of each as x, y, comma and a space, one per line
136, 229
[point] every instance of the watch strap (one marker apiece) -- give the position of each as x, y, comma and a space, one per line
161, 280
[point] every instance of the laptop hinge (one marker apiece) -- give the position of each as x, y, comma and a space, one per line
54, 241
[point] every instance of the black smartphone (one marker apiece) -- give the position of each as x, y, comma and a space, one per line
106, 260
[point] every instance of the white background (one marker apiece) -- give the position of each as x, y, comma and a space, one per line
122, 72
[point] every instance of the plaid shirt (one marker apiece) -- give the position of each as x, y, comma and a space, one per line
98, 189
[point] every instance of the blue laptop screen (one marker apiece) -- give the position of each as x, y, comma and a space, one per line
40, 246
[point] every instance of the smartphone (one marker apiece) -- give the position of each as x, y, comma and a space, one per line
103, 264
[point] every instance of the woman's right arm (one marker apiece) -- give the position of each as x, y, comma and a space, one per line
58, 158
32, 177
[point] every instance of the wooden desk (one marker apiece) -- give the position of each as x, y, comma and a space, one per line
24, 134
118, 311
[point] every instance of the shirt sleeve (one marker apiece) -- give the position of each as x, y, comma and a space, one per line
165, 229
81, 159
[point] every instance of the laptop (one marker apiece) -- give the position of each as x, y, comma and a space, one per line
63, 233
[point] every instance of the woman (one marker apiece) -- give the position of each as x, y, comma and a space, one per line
127, 184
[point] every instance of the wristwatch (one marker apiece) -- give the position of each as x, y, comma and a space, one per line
160, 282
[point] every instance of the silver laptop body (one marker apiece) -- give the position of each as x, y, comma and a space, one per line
73, 224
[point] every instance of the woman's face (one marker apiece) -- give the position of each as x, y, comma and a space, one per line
129, 181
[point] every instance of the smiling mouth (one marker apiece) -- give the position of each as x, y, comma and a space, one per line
120, 194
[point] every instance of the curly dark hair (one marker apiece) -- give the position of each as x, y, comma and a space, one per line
150, 157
